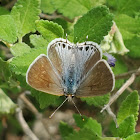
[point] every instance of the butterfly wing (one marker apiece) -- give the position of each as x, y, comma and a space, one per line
42, 76
99, 81
89, 54
59, 52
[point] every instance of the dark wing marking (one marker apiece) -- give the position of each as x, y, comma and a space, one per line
99, 81
42, 77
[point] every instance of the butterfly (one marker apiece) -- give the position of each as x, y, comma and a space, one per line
71, 70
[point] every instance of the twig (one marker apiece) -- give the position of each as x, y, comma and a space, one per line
120, 91
24, 125
30, 105
112, 115
54, 16
32, 108
127, 74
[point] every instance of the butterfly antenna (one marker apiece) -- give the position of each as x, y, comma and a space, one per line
58, 108
77, 109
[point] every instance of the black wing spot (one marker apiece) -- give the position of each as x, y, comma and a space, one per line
64, 45
69, 47
91, 48
87, 47
58, 44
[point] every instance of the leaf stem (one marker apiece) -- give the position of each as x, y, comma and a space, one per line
24, 125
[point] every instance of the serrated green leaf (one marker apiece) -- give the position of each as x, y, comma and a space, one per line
96, 24
65, 129
7, 106
47, 6
130, 106
127, 127
25, 13
72, 8
45, 99
49, 29
19, 49
124, 6
83, 134
3, 11
38, 41
88, 123
97, 100
133, 137
20, 64
8, 31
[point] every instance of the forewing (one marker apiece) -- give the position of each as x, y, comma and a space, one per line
42, 76
59, 52
99, 81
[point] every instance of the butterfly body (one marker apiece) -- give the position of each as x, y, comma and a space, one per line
71, 70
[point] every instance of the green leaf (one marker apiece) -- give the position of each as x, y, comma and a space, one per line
38, 41
96, 24
8, 30
49, 29
88, 123
6, 104
130, 29
133, 46
133, 137
124, 6
5, 73
83, 134
65, 129
25, 13
47, 6
128, 26
19, 49
113, 129
127, 127
72, 8
45, 99
130, 106
97, 100
3, 11
20, 64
